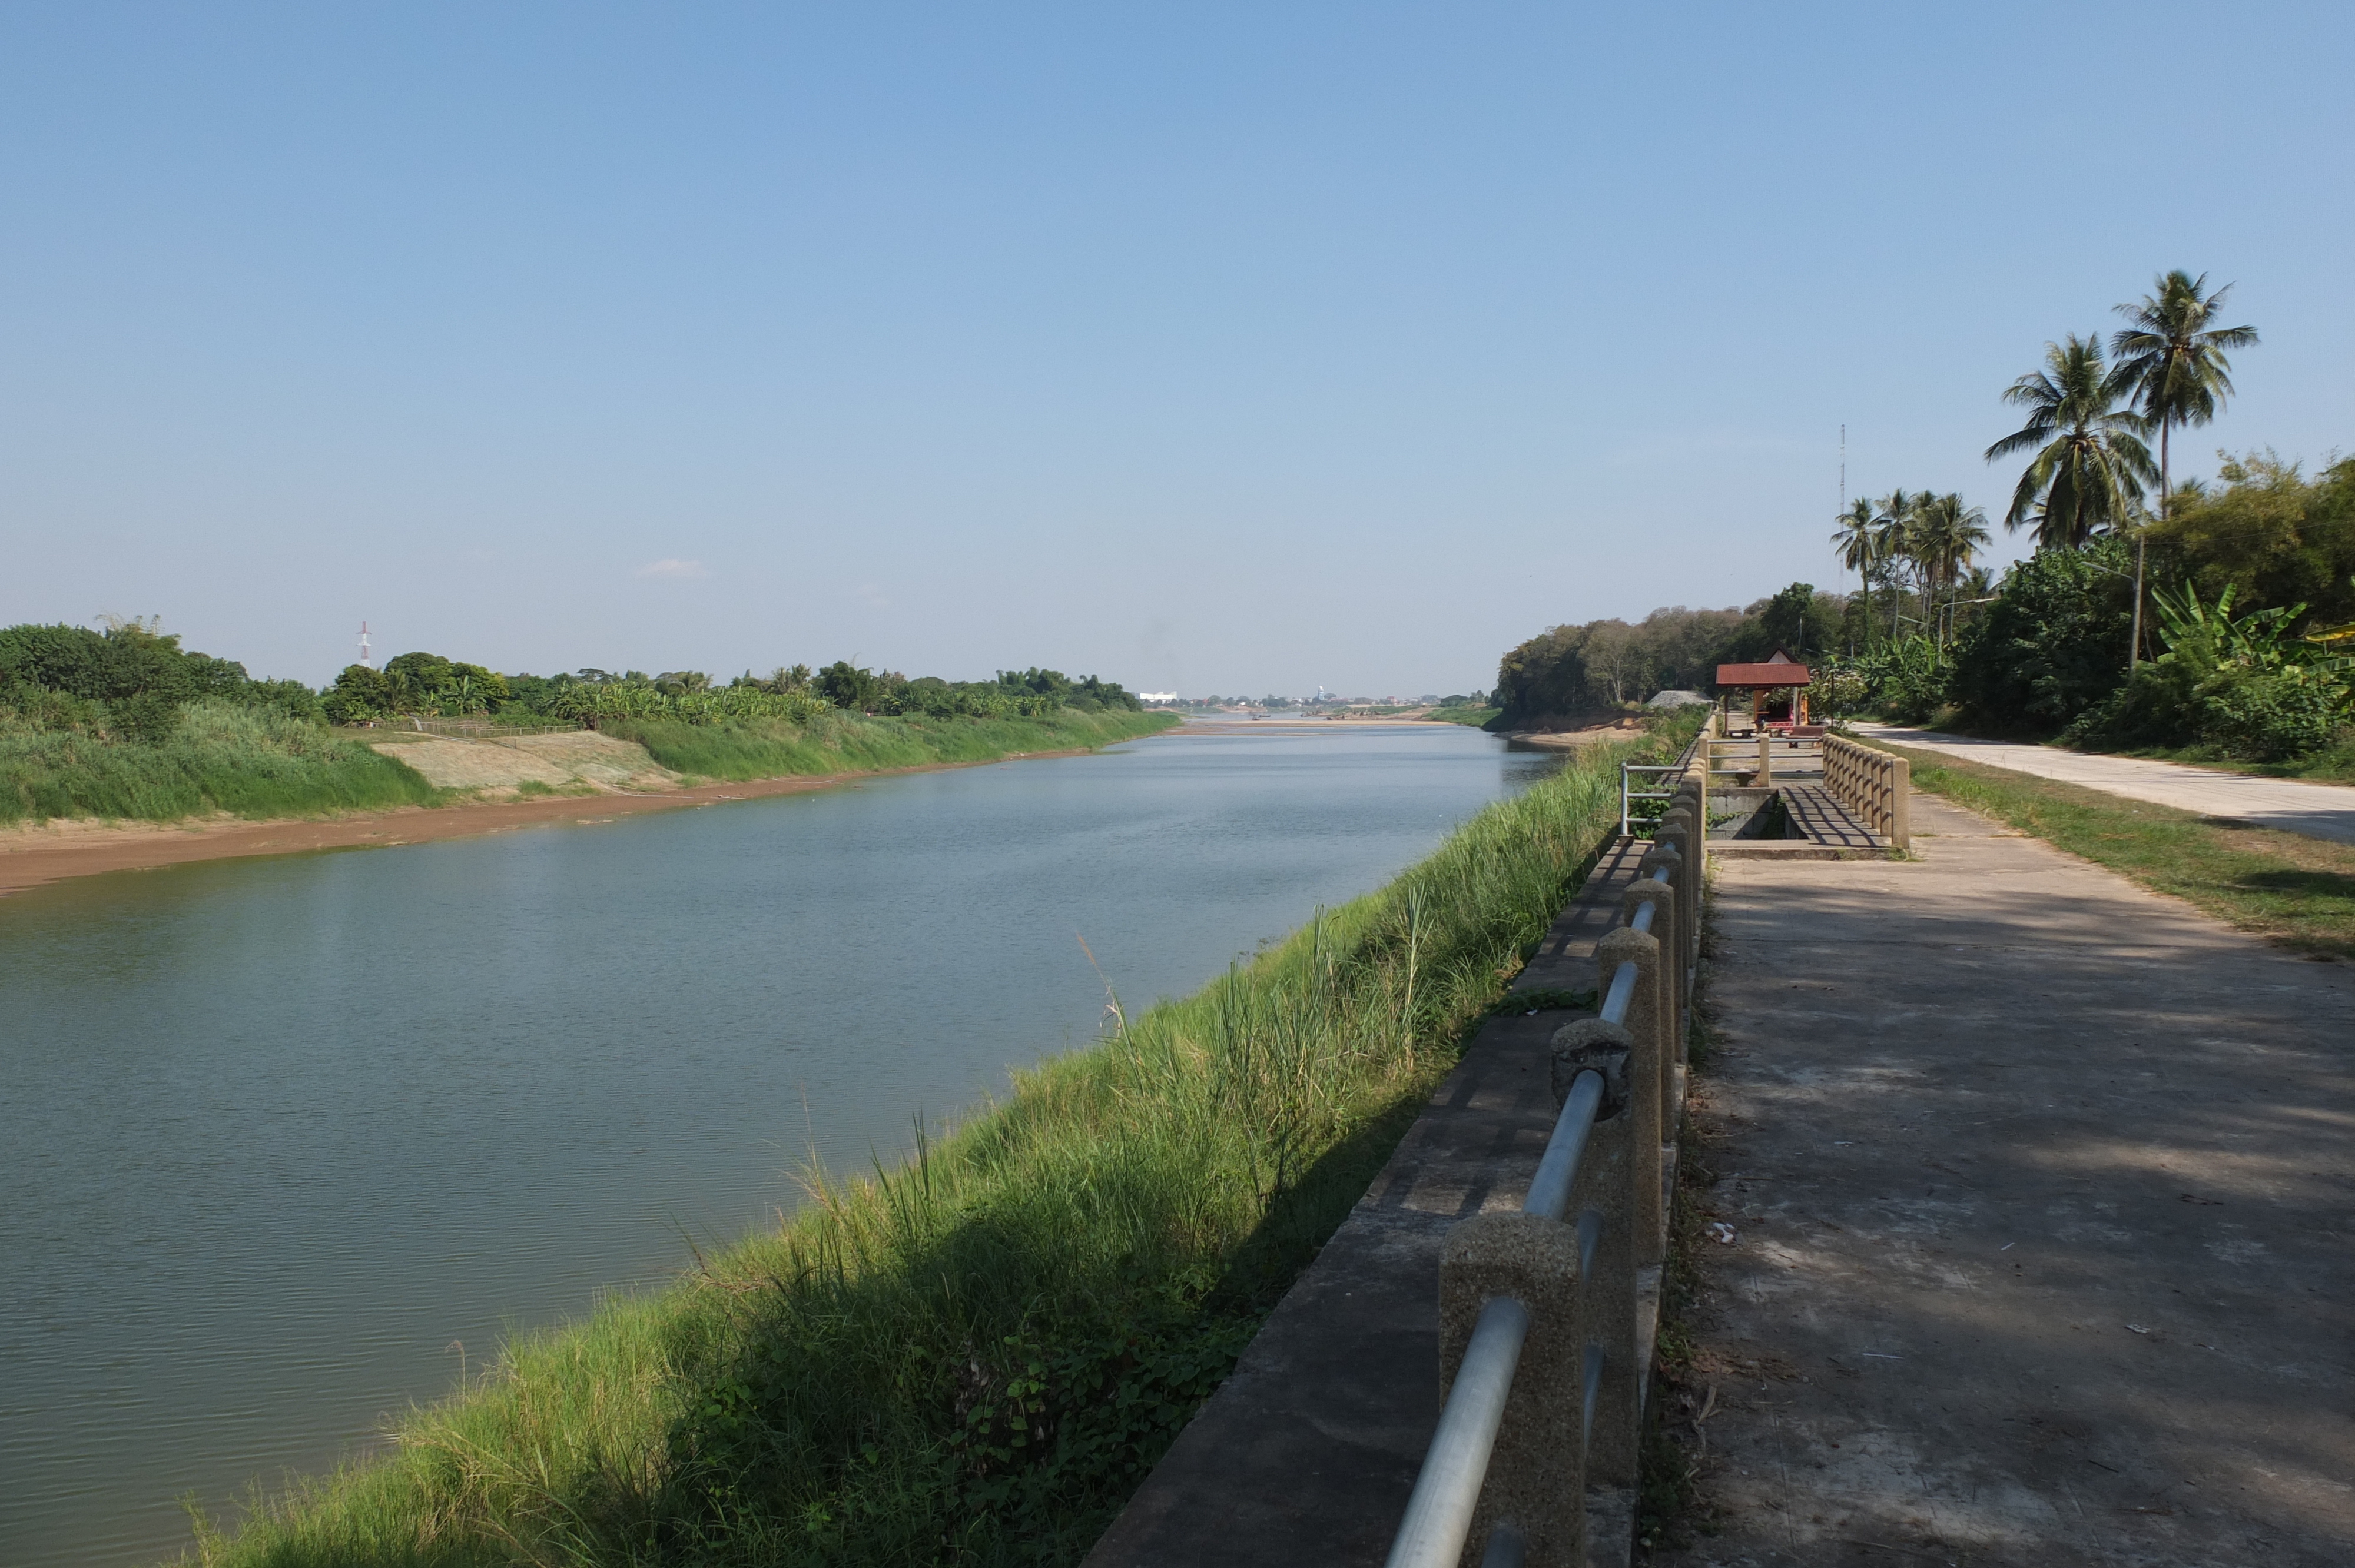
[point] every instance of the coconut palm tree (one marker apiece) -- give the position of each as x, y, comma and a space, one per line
2172, 359
1853, 542
2090, 462
1892, 540
1947, 535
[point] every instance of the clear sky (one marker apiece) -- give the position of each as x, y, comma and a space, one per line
1208, 346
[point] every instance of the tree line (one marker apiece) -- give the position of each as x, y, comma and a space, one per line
132, 681
422, 684
2153, 613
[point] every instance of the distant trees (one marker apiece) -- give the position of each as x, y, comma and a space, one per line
420, 685
130, 681
1567, 670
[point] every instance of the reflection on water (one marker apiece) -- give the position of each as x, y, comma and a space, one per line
281, 1140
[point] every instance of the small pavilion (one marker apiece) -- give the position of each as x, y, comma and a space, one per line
1777, 689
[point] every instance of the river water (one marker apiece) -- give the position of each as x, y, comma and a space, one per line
286, 1143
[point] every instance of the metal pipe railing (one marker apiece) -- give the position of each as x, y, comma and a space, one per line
1558, 1167
1439, 1514
1447, 1496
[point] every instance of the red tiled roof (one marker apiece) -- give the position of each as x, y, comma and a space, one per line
1781, 672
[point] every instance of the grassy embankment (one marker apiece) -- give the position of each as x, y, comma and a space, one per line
853, 743
248, 762
1476, 718
975, 1358
2297, 890
254, 764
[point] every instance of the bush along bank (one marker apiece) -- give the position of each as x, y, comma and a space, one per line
975, 1358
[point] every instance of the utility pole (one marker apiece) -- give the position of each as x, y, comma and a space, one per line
1863, 582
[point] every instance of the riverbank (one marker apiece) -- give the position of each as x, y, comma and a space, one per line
975, 1357
68, 846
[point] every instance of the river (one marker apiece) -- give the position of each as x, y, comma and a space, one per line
284, 1143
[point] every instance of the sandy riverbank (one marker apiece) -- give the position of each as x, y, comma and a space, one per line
31, 856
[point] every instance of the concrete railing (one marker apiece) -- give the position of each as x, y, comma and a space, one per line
1546, 1322
1875, 786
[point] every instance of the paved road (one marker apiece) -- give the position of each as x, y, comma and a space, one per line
2292, 805
2039, 1187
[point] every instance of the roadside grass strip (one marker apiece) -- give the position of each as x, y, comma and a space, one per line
975, 1357
2297, 891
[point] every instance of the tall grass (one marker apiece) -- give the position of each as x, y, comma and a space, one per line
974, 1359
838, 742
251, 762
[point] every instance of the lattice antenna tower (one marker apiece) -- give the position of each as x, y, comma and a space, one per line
368, 650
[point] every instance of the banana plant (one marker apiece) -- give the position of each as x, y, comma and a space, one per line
2210, 635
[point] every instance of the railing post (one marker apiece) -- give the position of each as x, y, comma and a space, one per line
1537, 1473
1606, 1187
1765, 759
1668, 992
1901, 804
1682, 829
1643, 1025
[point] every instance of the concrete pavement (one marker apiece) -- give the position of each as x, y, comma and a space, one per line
2291, 805
2039, 1191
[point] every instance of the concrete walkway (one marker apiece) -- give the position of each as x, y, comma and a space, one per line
2039, 1187
2292, 805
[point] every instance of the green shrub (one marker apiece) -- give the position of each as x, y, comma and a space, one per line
2053, 645
2268, 717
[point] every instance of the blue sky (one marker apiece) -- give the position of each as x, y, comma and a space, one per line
1209, 347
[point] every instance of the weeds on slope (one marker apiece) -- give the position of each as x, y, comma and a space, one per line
249, 762
975, 1358
2297, 890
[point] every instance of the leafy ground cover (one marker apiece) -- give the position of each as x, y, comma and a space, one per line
2298, 891
975, 1358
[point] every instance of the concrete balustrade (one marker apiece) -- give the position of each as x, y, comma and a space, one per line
1874, 786
1535, 1481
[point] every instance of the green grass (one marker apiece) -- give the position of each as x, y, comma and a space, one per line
852, 743
2298, 891
974, 1359
248, 762
2332, 765
1476, 718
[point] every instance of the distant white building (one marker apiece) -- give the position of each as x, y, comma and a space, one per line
1157, 696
